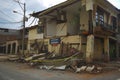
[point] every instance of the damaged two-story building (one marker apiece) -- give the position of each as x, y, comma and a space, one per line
90, 26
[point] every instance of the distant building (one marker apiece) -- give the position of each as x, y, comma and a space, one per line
11, 41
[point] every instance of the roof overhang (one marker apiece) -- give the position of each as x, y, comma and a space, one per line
56, 7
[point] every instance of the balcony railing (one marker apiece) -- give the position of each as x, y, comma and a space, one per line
106, 26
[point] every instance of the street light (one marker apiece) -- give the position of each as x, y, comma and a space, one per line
24, 19
17, 12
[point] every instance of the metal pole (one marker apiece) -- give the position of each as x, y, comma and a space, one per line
23, 33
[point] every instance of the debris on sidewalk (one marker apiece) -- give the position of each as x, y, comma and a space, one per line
46, 67
83, 68
60, 67
90, 68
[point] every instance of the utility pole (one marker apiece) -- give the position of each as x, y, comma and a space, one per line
23, 35
24, 19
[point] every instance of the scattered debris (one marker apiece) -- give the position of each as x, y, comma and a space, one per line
90, 68
83, 68
60, 67
46, 67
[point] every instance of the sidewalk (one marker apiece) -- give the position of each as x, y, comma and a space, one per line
3, 57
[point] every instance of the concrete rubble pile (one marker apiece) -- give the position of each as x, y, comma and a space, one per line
49, 61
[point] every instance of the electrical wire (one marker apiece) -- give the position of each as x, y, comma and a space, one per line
7, 15
7, 7
10, 22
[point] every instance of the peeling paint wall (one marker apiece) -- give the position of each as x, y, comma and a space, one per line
68, 39
34, 35
84, 19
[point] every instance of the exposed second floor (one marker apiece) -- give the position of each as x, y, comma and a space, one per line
73, 17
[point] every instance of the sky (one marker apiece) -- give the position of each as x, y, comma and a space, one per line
8, 19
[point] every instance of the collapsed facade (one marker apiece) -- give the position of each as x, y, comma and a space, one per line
90, 26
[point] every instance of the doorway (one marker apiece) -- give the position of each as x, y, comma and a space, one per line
112, 49
98, 49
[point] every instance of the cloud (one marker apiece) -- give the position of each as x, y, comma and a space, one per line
7, 6
38, 5
116, 3
48, 3
33, 5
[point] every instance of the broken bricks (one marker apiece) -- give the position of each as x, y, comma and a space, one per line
90, 69
83, 68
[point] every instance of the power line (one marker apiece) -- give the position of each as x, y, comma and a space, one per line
7, 7
7, 15
10, 22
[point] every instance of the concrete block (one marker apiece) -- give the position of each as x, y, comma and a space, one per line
90, 68
60, 67
81, 69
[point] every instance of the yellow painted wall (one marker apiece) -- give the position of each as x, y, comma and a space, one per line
34, 35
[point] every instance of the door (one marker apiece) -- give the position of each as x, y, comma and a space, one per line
112, 49
98, 48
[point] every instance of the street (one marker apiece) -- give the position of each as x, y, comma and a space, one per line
20, 71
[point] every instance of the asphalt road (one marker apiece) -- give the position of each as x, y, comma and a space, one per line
18, 71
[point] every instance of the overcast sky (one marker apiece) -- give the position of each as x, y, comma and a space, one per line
8, 19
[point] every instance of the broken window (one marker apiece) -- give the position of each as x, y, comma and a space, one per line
61, 16
114, 22
40, 29
99, 17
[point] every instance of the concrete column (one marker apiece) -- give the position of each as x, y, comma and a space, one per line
106, 49
11, 44
6, 49
16, 49
117, 49
90, 49
28, 45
